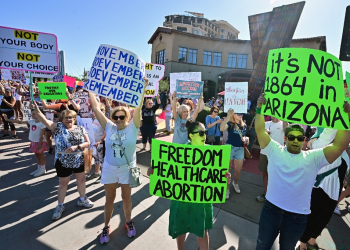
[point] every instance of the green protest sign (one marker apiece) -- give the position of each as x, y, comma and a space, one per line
305, 86
52, 90
189, 173
347, 77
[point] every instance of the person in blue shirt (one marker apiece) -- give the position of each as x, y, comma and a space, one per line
212, 124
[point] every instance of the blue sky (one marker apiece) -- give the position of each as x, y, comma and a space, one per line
81, 26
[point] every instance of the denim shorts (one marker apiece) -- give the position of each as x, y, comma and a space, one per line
237, 153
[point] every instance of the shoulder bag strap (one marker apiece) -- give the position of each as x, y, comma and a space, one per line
239, 131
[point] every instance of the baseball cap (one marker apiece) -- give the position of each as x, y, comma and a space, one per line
8, 89
294, 127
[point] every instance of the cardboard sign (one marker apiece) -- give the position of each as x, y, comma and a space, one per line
52, 90
154, 73
26, 111
189, 89
28, 50
236, 96
185, 76
189, 173
87, 124
305, 86
81, 98
117, 74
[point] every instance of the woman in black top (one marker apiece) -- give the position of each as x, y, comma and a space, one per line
149, 122
7, 107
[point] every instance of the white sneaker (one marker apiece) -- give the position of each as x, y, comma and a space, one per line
236, 187
34, 172
349, 208
58, 212
336, 211
227, 194
85, 203
41, 171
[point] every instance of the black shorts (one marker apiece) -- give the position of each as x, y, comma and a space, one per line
65, 172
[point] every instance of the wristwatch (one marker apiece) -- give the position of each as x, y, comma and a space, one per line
79, 147
71, 99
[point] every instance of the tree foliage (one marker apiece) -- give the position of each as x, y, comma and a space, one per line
164, 84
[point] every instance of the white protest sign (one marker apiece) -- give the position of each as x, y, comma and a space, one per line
26, 111
154, 73
27, 81
49, 116
28, 50
15, 75
6, 74
40, 74
87, 124
117, 74
236, 96
81, 98
185, 76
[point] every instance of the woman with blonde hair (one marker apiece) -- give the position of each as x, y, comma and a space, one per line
236, 129
121, 136
70, 140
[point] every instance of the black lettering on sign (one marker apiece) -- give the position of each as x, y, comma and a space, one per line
290, 116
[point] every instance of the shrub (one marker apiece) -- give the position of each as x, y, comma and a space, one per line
206, 111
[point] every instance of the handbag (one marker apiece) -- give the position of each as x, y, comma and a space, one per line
247, 154
135, 176
211, 138
87, 159
249, 128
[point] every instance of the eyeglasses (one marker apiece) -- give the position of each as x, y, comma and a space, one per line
200, 132
300, 138
68, 117
215, 111
239, 114
121, 117
102, 110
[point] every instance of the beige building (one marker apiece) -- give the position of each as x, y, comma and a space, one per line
219, 60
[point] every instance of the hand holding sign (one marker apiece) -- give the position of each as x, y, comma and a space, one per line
261, 100
230, 112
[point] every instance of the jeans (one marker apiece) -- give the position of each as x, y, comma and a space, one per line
167, 123
273, 221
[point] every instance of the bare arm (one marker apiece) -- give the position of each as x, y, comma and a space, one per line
263, 137
196, 112
49, 124
13, 120
102, 119
223, 125
210, 125
173, 105
137, 113
10, 104
75, 105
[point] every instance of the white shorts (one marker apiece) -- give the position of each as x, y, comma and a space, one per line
113, 174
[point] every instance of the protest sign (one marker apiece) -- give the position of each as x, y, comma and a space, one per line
189, 89
6, 74
154, 73
28, 50
305, 86
347, 77
185, 76
52, 90
70, 81
81, 98
236, 96
27, 113
58, 78
87, 124
117, 74
14, 75
40, 75
49, 116
189, 173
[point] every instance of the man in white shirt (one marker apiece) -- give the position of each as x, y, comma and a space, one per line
275, 129
292, 174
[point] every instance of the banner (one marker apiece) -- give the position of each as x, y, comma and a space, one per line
154, 73
81, 98
189, 173
27, 113
236, 96
189, 89
52, 90
185, 76
28, 50
87, 124
305, 86
117, 74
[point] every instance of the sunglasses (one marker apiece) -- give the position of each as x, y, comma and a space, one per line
216, 111
68, 117
200, 132
150, 103
300, 138
239, 114
121, 117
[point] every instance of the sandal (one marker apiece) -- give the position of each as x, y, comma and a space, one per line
142, 150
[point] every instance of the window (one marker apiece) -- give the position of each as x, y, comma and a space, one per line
222, 36
232, 60
182, 29
160, 57
195, 32
207, 58
192, 56
242, 61
182, 54
217, 59
222, 30
201, 33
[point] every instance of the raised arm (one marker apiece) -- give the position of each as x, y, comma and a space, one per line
75, 105
137, 113
13, 120
102, 119
263, 137
223, 125
49, 124
173, 105
196, 112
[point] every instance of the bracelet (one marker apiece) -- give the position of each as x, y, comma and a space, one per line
258, 110
70, 99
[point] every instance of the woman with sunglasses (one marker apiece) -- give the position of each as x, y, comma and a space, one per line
121, 136
213, 122
70, 140
181, 116
236, 128
149, 122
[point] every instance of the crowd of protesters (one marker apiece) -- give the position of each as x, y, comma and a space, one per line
304, 169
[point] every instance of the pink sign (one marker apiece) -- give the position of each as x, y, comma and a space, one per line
70, 81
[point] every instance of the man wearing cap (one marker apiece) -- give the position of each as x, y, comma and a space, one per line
7, 107
292, 174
